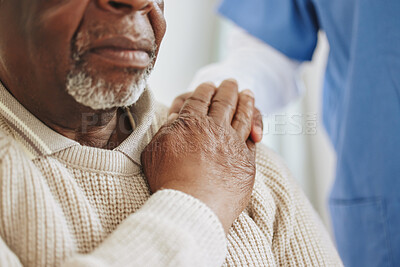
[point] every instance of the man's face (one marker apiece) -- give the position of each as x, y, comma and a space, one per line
98, 51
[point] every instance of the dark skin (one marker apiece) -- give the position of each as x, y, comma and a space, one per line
216, 127
206, 151
256, 134
36, 53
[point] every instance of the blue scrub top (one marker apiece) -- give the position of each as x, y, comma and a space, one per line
361, 108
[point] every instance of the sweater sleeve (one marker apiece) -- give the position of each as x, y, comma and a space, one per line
171, 229
299, 238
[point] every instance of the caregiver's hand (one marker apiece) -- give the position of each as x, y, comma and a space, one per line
257, 128
206, 151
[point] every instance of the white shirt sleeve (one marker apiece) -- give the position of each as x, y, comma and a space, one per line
271, 75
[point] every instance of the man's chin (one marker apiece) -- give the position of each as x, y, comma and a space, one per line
98, 94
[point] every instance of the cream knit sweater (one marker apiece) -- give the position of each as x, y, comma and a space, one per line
63, 204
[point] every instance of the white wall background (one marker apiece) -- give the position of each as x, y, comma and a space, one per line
189, 44
196, 37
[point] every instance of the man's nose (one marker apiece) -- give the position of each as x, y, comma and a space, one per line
125, 6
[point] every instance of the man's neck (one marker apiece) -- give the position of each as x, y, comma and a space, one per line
102, 130
60, 112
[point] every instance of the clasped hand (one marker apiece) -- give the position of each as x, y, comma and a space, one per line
207, 150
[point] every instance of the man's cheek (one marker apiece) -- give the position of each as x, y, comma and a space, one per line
55, 24
158, 23
65, 16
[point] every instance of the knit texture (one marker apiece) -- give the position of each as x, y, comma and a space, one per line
63, 204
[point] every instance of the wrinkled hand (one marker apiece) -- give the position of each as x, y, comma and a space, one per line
256, 131
206, 151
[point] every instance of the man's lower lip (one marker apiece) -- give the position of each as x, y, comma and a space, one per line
123, 58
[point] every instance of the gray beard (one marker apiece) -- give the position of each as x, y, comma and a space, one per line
98, 94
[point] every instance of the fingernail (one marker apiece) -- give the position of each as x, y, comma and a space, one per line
231, 80
248, 93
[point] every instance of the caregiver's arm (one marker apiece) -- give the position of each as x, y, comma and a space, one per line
271, 75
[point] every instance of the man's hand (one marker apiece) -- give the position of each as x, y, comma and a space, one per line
206, 151
257, 128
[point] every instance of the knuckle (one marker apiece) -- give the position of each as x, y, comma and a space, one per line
199, 100
258, 119
207, 87
224, 103
259, 123
176, 107
186, 95
193, 106
243, 118
246, 111
182, 98
248, 100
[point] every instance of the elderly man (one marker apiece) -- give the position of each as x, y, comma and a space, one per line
78, 187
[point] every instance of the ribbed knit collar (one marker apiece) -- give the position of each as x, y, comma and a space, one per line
40, 140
